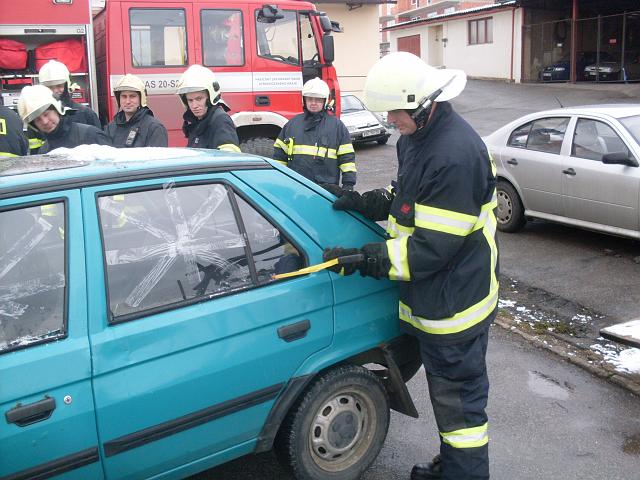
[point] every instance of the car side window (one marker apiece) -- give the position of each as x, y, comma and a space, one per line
592, 139
272, 252
175, 245
547, 134
32, 275
519, 136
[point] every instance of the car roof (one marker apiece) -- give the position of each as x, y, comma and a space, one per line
620, 110
98, 164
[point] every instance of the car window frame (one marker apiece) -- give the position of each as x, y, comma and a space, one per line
65, 301
229, 187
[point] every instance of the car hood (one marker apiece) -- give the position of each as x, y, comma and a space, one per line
361, 118
604, 64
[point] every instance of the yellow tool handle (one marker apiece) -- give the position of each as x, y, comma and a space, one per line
304, 271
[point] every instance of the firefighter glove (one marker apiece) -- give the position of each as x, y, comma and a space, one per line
352, 259
333, 188
377, 263
349, 201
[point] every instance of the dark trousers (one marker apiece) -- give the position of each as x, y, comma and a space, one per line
459, 388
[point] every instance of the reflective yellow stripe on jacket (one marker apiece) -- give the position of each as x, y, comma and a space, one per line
467, 437
7, 154
229, 147
35, 143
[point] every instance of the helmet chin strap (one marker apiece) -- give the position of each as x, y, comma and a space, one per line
421, 114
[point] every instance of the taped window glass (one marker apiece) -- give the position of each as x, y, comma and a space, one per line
32, 275
272, 252
170, 245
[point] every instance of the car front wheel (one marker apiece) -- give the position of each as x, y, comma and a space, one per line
337, 428
510, 210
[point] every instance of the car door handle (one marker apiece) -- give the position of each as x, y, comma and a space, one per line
23, 415
512, 161
295, 331
569, 171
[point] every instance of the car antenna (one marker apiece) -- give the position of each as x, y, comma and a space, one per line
558, 100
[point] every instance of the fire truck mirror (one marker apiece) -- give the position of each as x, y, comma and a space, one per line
269, 14
327, 48
325, 23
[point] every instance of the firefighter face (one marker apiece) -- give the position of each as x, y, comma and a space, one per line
197, 102
314, 105
57, 90
129, 101
47, 121
402, 121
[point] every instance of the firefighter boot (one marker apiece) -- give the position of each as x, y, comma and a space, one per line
427, 471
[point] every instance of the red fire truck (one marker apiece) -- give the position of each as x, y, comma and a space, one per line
261, 54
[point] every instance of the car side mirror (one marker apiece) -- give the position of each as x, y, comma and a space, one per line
328, 49
619, 158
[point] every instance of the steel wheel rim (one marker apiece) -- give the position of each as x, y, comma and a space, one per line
342, 430
505, 207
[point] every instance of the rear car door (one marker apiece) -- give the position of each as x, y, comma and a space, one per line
596, 192
47, 426
193, 340
532, 158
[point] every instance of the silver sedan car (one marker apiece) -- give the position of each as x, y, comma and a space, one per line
577, 166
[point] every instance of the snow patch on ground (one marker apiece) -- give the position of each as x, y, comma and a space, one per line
623, 360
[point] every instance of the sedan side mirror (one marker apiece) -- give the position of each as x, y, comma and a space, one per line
619, 158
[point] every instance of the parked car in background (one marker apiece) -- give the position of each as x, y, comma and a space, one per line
577, 166
609, 69
362, 124
144, 332
561, 70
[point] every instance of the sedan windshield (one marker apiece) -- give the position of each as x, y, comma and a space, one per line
351, 103
633, 125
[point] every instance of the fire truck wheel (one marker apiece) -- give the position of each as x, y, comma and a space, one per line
258, 146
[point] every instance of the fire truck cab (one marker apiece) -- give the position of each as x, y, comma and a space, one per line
261, 55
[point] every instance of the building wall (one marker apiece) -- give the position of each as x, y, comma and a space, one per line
492, 60
357, 47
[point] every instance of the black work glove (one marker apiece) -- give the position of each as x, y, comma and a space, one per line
333, 188
374, 262
344, 268
349, 201
374, 205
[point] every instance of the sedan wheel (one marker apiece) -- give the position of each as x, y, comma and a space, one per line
510, 213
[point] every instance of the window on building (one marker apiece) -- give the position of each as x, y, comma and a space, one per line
481, 31
158, 37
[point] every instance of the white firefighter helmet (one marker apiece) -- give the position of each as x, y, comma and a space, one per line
195, 79
54, 73
34, 100
401, 80
316, 88
131, 83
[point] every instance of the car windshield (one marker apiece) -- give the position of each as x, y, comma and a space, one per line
351, 103
633, 125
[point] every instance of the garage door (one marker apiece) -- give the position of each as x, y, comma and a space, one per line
409, 44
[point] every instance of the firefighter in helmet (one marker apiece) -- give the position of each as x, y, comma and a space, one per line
442, 250
317, 144
55, 75
41, 111
134, 125
206, 121
12, 139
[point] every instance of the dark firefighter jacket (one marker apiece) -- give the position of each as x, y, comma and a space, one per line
318, 146
69, 134
12, 139
142, 130
442, 227
83, 114
214, 130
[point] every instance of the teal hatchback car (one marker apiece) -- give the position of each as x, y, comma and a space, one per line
143, 333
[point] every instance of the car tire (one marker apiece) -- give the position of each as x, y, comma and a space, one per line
510, 212
337, 428
262, 146
382, 141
